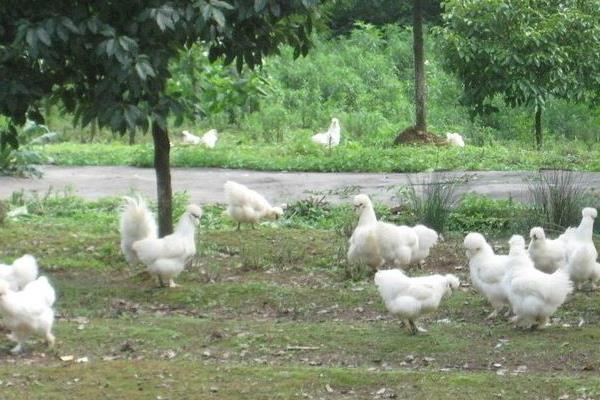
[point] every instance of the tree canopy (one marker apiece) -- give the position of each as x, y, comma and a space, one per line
343, 14
107, 61
523, 52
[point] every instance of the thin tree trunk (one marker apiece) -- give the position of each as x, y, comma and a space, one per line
538, 127
162, 147
420, 88
93, 131
132, 137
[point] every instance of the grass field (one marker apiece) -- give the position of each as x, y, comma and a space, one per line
301, 155
271, 314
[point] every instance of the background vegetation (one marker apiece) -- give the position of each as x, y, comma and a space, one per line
363, 78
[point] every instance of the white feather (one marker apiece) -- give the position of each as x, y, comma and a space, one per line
29, 311
581, 253
409, 298
189, 138
249, 206
455, 139
166, 257
376, 243
534, 295
22, 271
487, 270
331, 138
209, 139
136, 223
547, 255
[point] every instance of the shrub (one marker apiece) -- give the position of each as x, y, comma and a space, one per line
476, 213
432, 200
557, 197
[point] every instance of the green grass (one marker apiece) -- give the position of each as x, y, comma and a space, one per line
348, 157
267, 314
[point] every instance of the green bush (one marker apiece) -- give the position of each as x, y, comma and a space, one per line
476, 213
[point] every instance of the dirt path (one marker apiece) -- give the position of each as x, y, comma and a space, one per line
205, 185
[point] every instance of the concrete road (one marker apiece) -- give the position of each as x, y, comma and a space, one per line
205, 185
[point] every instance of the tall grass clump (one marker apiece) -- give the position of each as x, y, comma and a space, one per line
557, 197
433, 199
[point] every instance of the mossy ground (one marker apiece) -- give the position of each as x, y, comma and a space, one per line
271, 313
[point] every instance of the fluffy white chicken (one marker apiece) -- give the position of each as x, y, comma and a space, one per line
189, 138
22, 271
247, 205
581, 251
455, 139
487, 271
534, 295
331, 138
209, 139
547, 255
427, 239
136, 223
28, 311
164, 257
377, 243
409, 298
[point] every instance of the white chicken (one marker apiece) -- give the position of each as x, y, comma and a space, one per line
409, 298
209, 139
487, 271
246, 205
136, 223
534, 295
581, 251
547, 255
427, 239
28, 311
331, 138
22, 271
164, 257
189, 138
377, 243
455, 139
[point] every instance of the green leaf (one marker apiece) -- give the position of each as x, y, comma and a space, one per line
222, 4
259, 5
111, 45
68, 23
218, 17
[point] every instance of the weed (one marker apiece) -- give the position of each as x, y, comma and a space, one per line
557, 197
432, 199
476, 213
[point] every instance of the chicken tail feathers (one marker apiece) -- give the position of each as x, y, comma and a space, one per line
25, 270
136, 223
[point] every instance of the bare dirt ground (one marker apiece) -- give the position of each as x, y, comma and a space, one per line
205, 185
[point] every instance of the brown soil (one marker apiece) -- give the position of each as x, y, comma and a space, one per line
411, 135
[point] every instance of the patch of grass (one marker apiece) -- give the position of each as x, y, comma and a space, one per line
432, 200
558, 197
301, 155
293, 325
181, 378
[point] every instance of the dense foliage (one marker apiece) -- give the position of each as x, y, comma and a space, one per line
524, 52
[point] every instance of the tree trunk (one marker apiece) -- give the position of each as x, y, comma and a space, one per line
420, 89
162, 147
132, 137
538, 127
93, 131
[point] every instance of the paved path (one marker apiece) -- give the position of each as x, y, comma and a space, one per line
205, 185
